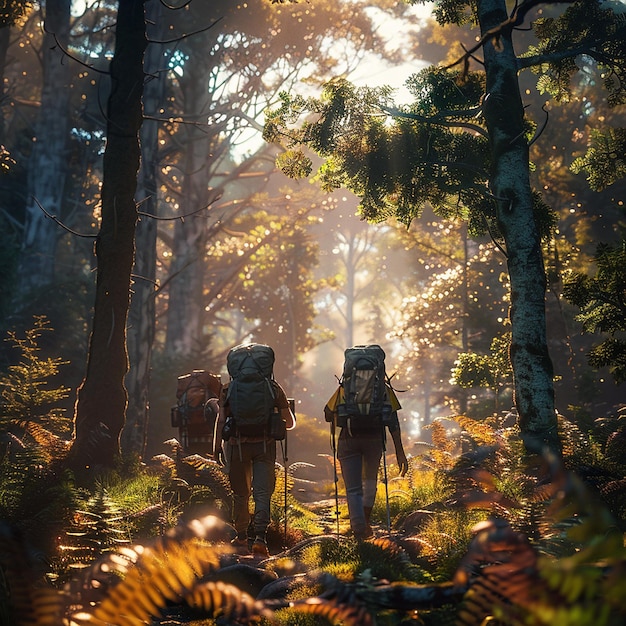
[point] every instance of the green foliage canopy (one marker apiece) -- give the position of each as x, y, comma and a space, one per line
394, 167
463, 148
602, 300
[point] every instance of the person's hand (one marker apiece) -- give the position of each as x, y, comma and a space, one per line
403, 463
211, 408
218, 455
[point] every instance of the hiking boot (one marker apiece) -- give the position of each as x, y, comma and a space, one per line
240, 543
259, 548
366, 533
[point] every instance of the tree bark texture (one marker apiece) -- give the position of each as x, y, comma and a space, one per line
142, 316
47, 169
5, 34
186, 302
102, 397
510, 186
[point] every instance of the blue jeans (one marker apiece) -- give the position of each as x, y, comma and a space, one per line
252, 471
359, 457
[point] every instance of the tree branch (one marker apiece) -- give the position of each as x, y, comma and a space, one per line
516, 18
71, 56
519, 12
441, 121
539, 131
173, 8
538, 59
181, 217
55, 219
185, 36
495, 242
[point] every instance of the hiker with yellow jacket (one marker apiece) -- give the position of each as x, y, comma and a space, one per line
364, 406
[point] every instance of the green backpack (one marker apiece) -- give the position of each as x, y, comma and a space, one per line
251, 393
366, 404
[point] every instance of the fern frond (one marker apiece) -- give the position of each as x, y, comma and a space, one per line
164, 461
439, 437
336, 613
48, 606
174, 445
96, 528
220, 599
199, 462
133, 584
54, 447
501, 566
158, 576
298, 465
206, 472
572, 437
390, 550
479, 430
17, 567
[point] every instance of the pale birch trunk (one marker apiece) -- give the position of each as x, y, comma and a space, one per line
504, 116
47, 168
5, 34
186, 301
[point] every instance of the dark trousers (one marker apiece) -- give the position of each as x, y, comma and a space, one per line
251, 470
359, 457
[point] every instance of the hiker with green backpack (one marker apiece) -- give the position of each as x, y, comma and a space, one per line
364, 407
254, 414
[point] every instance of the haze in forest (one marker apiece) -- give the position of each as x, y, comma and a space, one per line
445, 180
239, 251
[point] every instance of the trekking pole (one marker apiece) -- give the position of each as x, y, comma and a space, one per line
386, 481
285, 460
333, 427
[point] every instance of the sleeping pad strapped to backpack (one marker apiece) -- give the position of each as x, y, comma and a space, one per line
251, 393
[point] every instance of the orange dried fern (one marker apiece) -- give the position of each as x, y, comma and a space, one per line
218, 599
131, 585
335, 612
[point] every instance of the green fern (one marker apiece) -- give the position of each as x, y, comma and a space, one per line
34, 495
301, 521
97, 527
24, 388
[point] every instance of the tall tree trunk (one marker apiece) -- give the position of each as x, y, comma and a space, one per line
5, 36
504, 116
142, 319
350, 290
465, 309
102, 397
47, 168
186, 302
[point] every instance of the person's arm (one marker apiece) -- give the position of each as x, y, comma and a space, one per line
282, 403
403, 463
219, 427
289, 417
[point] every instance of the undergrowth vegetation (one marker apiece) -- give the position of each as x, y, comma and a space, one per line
475, 533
